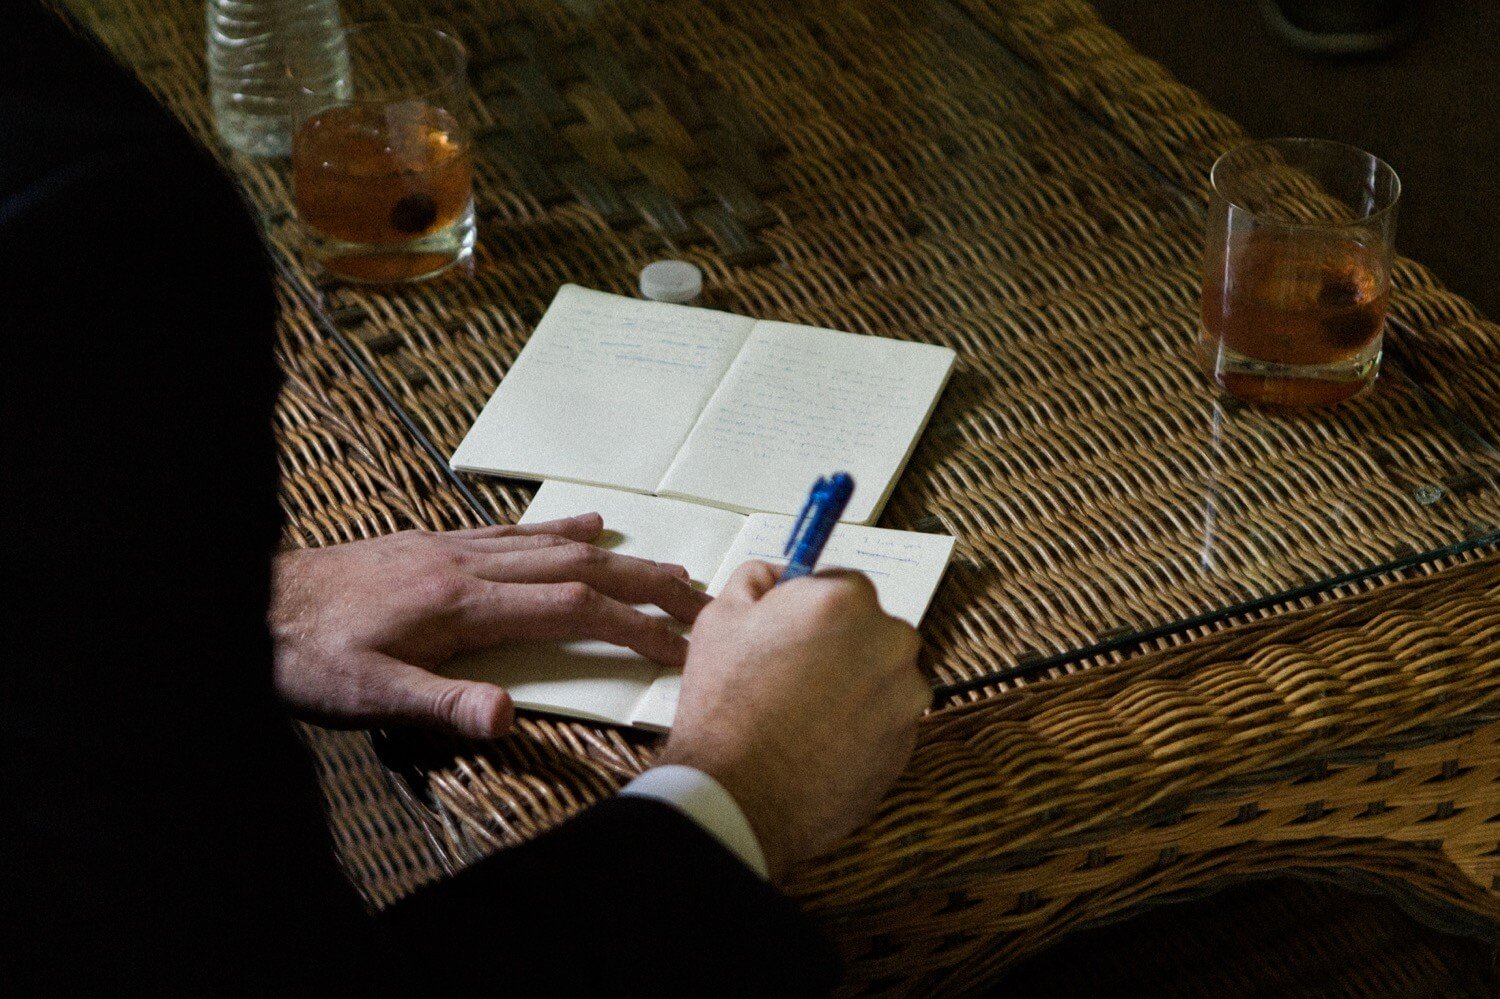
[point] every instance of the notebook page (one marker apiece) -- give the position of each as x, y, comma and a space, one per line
593, 679
658, 708
605, 391
800, 402
905, 566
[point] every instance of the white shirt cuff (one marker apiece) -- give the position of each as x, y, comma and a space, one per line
704, 800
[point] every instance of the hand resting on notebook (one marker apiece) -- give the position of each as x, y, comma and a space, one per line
359, 627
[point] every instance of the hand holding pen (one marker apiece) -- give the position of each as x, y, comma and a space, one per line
820, 668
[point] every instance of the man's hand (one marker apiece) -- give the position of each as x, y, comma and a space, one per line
802, 701
358, 627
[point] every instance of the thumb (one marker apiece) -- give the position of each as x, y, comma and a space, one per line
468, 707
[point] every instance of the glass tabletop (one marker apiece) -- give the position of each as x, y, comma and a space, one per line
909, 174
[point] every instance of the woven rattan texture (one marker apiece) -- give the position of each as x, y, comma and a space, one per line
342, 480
928, 187
1020, 866
1335, 737
352, 471
635, 137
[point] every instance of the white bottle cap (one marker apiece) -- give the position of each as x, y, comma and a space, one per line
671, 281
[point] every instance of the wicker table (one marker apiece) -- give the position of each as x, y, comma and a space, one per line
1153, 680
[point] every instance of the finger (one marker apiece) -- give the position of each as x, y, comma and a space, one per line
531, 542
513, 542
632, 580
552, 611
522, 542
751, 581
412, 695
583, 527
680, 571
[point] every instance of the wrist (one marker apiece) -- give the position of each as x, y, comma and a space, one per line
765, 816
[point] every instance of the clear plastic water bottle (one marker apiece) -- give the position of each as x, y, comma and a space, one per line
260, 54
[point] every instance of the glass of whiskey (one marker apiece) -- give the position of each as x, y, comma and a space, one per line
1297, 271
382, 167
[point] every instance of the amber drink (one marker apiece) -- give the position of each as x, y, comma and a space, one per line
1297, 272
383, 181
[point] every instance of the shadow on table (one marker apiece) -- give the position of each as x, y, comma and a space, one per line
1287, 938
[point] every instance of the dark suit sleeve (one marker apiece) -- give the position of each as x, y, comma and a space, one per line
161, 832
630, 898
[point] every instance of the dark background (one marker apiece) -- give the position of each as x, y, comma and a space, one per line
1430, 108
1278, 939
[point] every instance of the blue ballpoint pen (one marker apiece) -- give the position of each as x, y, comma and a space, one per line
825, 505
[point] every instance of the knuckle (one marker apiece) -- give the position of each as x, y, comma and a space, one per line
573, 598
862, 594
656, 630
577, 556
439, 589
826, 601
843, 596
856, 589
588, 556
447, 704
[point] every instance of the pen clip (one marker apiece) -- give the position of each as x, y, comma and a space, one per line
803, 518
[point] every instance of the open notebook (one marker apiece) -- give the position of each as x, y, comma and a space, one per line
705, 405
602, 682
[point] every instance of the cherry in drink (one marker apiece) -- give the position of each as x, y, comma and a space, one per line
384, 194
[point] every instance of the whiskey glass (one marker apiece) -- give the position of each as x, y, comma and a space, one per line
1297, 271
382, 169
